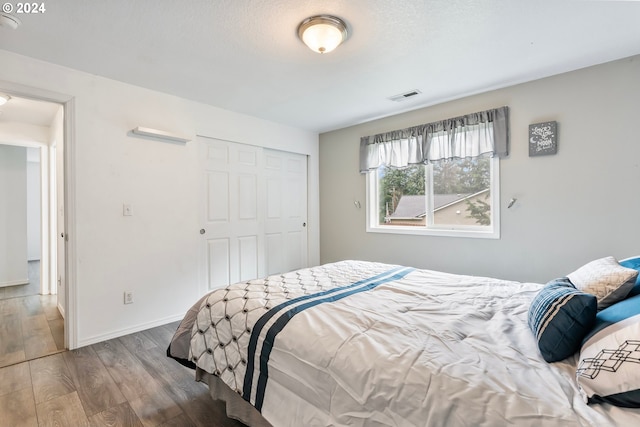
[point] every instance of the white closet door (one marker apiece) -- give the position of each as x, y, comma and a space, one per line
232, 221
286, 211
244, 188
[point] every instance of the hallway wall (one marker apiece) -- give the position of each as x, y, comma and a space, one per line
13, 215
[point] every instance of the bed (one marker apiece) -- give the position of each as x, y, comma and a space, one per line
357, 343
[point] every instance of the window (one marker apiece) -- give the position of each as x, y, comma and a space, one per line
450, 198
439, 178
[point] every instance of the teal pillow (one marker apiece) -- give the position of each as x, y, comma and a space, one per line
635, 264
560, 316
618, 312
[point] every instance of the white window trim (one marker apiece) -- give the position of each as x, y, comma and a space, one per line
481, 232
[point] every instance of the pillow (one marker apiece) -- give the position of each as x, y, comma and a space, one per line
635, 264
609, 366
560, 316
606, 279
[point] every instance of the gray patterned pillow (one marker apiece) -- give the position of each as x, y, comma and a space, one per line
606, 279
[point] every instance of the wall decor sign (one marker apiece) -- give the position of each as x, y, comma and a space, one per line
543, 139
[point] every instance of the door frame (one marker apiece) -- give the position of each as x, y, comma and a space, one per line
69, 202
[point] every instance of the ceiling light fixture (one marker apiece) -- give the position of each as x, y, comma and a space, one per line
322, 33
9, 21
4, 98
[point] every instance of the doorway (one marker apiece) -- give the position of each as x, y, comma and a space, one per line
31, 191
20, 197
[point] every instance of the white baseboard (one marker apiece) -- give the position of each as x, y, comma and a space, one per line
15, 283
126, 331
61, 310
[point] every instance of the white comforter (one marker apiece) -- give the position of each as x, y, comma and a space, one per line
425, 349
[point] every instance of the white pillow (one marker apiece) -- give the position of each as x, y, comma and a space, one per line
609, 367
606, 279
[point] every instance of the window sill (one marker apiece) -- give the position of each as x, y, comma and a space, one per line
442, 232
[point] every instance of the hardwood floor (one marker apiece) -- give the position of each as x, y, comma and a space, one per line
30, 324
127, 381
30, 327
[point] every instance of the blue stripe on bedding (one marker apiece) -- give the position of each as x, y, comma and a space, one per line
257, 328
267, 345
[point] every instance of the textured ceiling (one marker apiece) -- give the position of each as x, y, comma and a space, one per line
244, 55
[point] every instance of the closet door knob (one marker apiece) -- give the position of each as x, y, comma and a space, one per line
202, 231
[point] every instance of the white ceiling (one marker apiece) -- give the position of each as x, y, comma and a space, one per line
244, 55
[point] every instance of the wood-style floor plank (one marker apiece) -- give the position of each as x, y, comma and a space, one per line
117, 416
31, 305
30, 327
96, 389
18, 409
127, 381
62, 411
180, 421
155, 407
11, 340
50, 378
149, 400
50, 307
10, 306
179, 386
56, 326
14, 378
162, 334
125, 369
25, 332
203, 411
37, 337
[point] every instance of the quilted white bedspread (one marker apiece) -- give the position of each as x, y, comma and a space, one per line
367, 344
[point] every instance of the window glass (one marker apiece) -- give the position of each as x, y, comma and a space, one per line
455, 197
462, 192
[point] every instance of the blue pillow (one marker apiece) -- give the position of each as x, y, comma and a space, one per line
609, 367
618, 312
635, 264
560, 316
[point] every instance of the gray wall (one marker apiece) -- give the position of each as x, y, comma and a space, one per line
572, 207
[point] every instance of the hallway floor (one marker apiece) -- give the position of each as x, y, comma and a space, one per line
30, 324
30, 327
32, 288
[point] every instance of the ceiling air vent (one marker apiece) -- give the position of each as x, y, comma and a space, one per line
404, 96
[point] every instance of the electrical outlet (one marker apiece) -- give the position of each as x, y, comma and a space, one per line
128, 297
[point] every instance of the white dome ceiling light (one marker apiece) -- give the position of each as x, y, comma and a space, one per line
9, 21
322, 33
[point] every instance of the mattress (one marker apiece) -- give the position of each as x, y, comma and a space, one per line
357, 343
